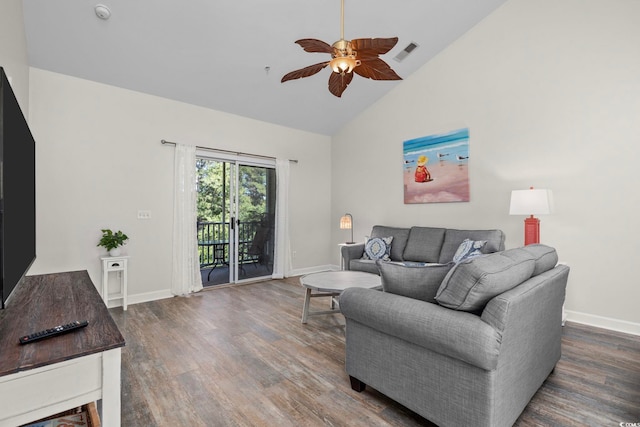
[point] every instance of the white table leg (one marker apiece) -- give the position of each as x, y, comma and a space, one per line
105, 286
111, 388
124, 287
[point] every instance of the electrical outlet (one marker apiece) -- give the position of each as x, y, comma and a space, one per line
293, 254
144, 214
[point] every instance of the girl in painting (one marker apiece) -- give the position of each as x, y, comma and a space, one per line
422, 173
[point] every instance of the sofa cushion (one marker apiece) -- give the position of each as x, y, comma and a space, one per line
453, 238
468, 249
413, 281
471, 284
546, 257
378, 248
366, 265
399, 235
423, 244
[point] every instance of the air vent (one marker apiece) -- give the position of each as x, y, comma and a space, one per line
405, 52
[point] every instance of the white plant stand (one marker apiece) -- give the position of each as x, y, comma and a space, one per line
117, 264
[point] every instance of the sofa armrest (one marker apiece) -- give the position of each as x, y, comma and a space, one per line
350, 252
536, 301
456, 334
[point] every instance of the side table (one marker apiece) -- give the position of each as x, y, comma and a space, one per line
340, 245
119, 265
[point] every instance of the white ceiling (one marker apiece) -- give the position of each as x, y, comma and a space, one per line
215, 53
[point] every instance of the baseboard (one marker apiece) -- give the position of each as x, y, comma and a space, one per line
604, 322
146, 297
157, 295
316, 269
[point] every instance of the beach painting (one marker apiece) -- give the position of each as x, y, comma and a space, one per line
436, 168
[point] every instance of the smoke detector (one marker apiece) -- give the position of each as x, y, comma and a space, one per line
102, 11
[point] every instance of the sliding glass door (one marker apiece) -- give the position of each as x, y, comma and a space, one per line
236, 219
255, 221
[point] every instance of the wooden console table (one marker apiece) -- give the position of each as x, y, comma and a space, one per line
59, 373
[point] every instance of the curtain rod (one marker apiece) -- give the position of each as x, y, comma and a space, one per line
238, 153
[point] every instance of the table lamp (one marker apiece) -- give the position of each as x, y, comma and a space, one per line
346, 223
530, 202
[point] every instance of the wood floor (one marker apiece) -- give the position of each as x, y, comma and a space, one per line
239, 356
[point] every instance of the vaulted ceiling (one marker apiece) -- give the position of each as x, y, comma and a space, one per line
231, 55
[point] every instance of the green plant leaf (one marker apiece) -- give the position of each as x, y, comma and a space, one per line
111, 240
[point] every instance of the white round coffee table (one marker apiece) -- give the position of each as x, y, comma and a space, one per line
331, 284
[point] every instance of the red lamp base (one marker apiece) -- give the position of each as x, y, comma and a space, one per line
531, 230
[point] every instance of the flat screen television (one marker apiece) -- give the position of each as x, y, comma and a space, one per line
17, 192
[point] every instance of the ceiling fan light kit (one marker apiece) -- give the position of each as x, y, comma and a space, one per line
359, 56
344, 59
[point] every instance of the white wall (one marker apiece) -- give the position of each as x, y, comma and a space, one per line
550, 91
99, 161
13, 50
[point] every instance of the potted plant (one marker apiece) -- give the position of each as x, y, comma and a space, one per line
112, 241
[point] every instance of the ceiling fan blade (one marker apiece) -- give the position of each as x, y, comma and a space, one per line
376, 69
370, 48
339, 82
304, 72
315, 45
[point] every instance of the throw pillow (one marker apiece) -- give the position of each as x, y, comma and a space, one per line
471, 284
378, 248
399, 235
545, 256
413, 281
468, 249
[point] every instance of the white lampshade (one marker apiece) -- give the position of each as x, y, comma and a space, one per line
346, 222
530, 202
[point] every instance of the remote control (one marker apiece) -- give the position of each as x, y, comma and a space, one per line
58, 330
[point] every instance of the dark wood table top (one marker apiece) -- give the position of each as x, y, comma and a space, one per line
45, 301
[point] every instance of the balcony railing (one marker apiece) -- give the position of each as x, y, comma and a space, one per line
213, 243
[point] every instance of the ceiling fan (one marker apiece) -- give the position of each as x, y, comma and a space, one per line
360, 56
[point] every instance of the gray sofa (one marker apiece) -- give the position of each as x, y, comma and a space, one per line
469, 349
420, 245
